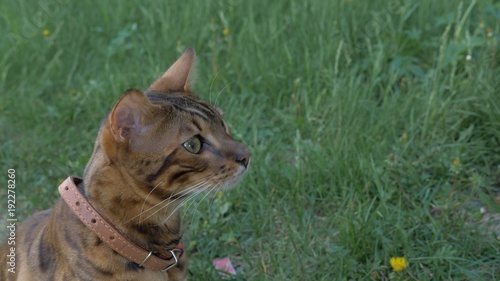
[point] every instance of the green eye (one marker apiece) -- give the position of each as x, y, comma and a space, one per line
193, 145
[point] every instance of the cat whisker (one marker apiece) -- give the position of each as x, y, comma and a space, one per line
212, 83
194, 195
172, 198
145, 199
201, 200
220, 92
204, 189
169, 198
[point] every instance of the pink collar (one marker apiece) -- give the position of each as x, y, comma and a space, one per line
110, 235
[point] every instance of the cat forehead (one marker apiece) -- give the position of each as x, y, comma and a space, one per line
186, 103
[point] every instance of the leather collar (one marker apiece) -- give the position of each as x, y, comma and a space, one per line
110, 235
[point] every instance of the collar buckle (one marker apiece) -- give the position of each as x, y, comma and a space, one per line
176, 259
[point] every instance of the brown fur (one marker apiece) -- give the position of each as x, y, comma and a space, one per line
137, 177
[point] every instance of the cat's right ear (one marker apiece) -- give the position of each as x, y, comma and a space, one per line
129, 115
179, 77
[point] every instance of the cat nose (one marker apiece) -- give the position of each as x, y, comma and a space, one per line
243, 156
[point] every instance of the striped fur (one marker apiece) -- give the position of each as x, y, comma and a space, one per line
145, 164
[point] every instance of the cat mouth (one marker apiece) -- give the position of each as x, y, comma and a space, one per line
234, 180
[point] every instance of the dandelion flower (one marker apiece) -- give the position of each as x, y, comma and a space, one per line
456, 162
404, 136
46, 32
225, 31
399, 263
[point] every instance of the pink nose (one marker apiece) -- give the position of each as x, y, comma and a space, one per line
243, 157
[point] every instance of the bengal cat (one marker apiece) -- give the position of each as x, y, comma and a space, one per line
153, 151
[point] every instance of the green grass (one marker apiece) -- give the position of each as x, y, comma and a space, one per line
374, 126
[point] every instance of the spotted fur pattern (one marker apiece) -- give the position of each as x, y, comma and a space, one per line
154, 151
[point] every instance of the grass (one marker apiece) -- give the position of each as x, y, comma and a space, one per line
374, 126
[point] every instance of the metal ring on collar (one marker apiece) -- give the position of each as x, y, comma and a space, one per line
146, 259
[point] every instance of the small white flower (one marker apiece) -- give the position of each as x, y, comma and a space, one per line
468, 57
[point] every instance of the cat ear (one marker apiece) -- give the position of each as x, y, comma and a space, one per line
178, 77
128, 117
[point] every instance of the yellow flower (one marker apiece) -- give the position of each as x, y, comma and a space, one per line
46, 32
399, 263
456, 162
225, 31
404, 136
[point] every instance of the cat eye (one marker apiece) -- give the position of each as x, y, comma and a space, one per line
193, 145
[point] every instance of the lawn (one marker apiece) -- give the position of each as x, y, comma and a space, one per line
374, 125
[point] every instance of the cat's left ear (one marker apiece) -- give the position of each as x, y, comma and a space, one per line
129, 116
178, 78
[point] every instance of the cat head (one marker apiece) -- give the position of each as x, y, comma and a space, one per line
169, 142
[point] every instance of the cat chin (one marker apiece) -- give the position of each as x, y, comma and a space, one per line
231, 183
228, 186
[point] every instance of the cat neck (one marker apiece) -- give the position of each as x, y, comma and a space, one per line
113, 192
